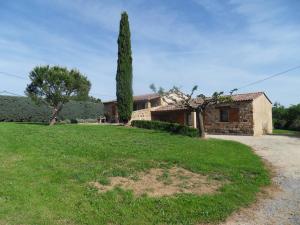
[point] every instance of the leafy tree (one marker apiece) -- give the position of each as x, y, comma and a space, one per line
89, 99
176, 97
124, 72
95, 100
293, 114
279, 115
55, 86
286, 117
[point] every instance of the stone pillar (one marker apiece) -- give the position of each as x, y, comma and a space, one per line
193, 118
148, 105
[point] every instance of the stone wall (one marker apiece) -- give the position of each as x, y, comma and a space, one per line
143, 114
242, 125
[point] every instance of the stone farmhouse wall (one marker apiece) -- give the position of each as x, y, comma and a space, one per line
142, 114
262, 113
240, 119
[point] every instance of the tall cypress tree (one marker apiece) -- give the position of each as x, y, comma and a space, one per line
124, 71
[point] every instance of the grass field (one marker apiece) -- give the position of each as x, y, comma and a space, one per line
45, 174
286, 132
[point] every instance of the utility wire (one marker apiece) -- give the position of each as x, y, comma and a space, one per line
13, 75
231, 91
268, 77
10, 93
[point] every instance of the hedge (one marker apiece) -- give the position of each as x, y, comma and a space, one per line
22, 109
165, 126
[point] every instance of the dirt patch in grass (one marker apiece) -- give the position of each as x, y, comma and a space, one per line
10, 161
163, 182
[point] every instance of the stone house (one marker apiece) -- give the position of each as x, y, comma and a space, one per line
246, 114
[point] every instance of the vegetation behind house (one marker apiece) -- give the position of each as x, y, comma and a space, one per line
286, 117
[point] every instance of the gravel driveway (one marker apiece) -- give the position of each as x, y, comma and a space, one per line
284, 207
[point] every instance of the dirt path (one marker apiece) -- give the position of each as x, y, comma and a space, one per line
284, 207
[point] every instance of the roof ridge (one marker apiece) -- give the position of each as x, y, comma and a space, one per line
256, 92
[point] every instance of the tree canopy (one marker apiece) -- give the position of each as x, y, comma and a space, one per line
124, 72
55, 86
286, 117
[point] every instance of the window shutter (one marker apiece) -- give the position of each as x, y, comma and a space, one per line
234, 115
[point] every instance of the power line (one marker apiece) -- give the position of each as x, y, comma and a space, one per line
10, 93
233, 90
269, 77
13, 75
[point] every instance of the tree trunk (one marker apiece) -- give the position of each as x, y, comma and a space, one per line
200, 123
53, 117
55, 112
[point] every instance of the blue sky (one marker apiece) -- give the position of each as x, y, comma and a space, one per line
217, 44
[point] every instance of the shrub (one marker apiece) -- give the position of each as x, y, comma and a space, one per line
65, 121
295, 125
286, 117
74, 121
279, 124
173, 128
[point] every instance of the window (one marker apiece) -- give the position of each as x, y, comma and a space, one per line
229, 115
138, 106
224, 115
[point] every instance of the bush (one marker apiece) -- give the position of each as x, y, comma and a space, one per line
286, 118
173, 128
279, 124
73, 121
22, 109
295, 125
64, 121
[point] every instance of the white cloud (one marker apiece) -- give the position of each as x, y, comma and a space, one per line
251, 42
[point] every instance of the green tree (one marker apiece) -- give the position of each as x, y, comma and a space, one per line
279, 116
124, 72
55, 86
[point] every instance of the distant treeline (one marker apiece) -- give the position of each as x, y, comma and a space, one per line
286, 117
22, 109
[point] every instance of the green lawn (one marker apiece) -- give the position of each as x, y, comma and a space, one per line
45, 174
286, 132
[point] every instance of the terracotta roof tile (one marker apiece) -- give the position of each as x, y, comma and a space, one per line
145, 97
246, 96
235, 98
